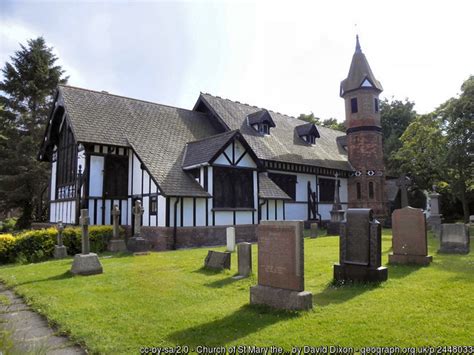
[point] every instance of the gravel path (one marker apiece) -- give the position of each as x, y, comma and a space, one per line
28, 331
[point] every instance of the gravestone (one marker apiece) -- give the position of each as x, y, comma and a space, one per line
281, 266
60, 250
454, 238
313, 231
230, 236
137, 244
360, 248
337, 213
217, 260
86, 263
434, 220
471, 220
244, 257
409, 242
116, 244
403, 183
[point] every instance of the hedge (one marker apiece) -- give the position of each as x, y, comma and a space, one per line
38, 245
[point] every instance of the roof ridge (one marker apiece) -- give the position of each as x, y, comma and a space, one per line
128, 98
214, 136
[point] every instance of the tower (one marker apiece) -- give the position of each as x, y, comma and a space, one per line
360, 91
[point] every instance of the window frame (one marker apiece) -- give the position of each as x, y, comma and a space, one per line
233, 188
120, 190
279, 178
153, 205
327, 192
354, 105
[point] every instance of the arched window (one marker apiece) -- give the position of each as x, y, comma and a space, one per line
358, 191
371, 190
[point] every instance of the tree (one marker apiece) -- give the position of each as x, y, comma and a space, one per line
329, 122
395, 116
26, 92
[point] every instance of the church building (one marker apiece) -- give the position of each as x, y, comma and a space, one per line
222, 163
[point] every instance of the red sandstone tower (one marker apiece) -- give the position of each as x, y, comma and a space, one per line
360, 91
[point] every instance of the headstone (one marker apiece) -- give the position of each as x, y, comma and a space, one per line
313, 231
454, 238
137, 244
337, 213
86, 263
360, 248
60, 250
409, 242
230, 236
281, 266
403, 182
217, 260
116, 244
434, 220
471, 220
244, 257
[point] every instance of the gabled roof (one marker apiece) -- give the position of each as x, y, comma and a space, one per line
307, 129
260, 117
359, 73
283, 144
206, 150
269, 190
157, 133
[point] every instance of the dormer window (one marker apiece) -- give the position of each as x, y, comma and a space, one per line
261, 121
308, 132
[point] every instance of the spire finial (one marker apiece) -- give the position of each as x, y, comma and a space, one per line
358, 45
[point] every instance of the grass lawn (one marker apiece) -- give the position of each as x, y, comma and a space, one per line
167, 299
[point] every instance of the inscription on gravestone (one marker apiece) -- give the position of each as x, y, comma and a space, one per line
357, 241
217, 260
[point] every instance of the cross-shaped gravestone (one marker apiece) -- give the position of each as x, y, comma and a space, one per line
115, 220
337, 200
60, 233
403, 182
138, 212
84, 222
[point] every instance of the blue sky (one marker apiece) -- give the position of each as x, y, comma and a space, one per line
285, 56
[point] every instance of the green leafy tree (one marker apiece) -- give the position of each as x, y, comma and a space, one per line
329, 122
26, 92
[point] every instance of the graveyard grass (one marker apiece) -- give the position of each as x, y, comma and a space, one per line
167, 299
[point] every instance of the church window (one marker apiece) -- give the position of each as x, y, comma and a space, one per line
286, 182
376, 105
263, 128
116, 176
371, 190
153, 205
67, 163
354, 107
326, 190
359, 194
233, 188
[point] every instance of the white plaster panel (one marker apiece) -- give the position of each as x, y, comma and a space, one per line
224, 218
243, 217
146, 210
302, 186
200, 212
137, 176
296, 211
146, 182
96, 176
161, 211
187, 212
99, 212
222, 160
123, 212
53, 181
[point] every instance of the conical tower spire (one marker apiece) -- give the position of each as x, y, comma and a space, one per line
358, 49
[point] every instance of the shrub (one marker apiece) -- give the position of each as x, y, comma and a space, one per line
8, 225
38, 245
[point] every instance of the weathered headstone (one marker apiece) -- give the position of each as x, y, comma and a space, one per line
244, 257
409, 242
86, 263
116, 244
230, 237
138, 244
337, 213
403, 183
60, 250
454, 238
434, 220
217, 260
471, 220
281, 266
360, 248
313, 230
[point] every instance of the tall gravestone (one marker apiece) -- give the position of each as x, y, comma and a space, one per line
409, 242
434, 220
360, 248
454, 238
403, 183
137, 243
244, 259
116, 244
230, 238
281, 266
60, 250
86, 263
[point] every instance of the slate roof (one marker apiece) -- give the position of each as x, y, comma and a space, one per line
157, 133
308, 129
259, 117
283, 144
269, 190
203, 150
358, 72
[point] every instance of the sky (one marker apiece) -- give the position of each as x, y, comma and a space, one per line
286, 56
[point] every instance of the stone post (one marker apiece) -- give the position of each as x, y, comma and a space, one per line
60, 250
116, 244
403, 182
313, 230
138, 212
244, 257
86, 263
434, 220
230, 236
337, 213
137, 244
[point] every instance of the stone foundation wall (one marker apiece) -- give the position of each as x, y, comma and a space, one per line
187, 237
